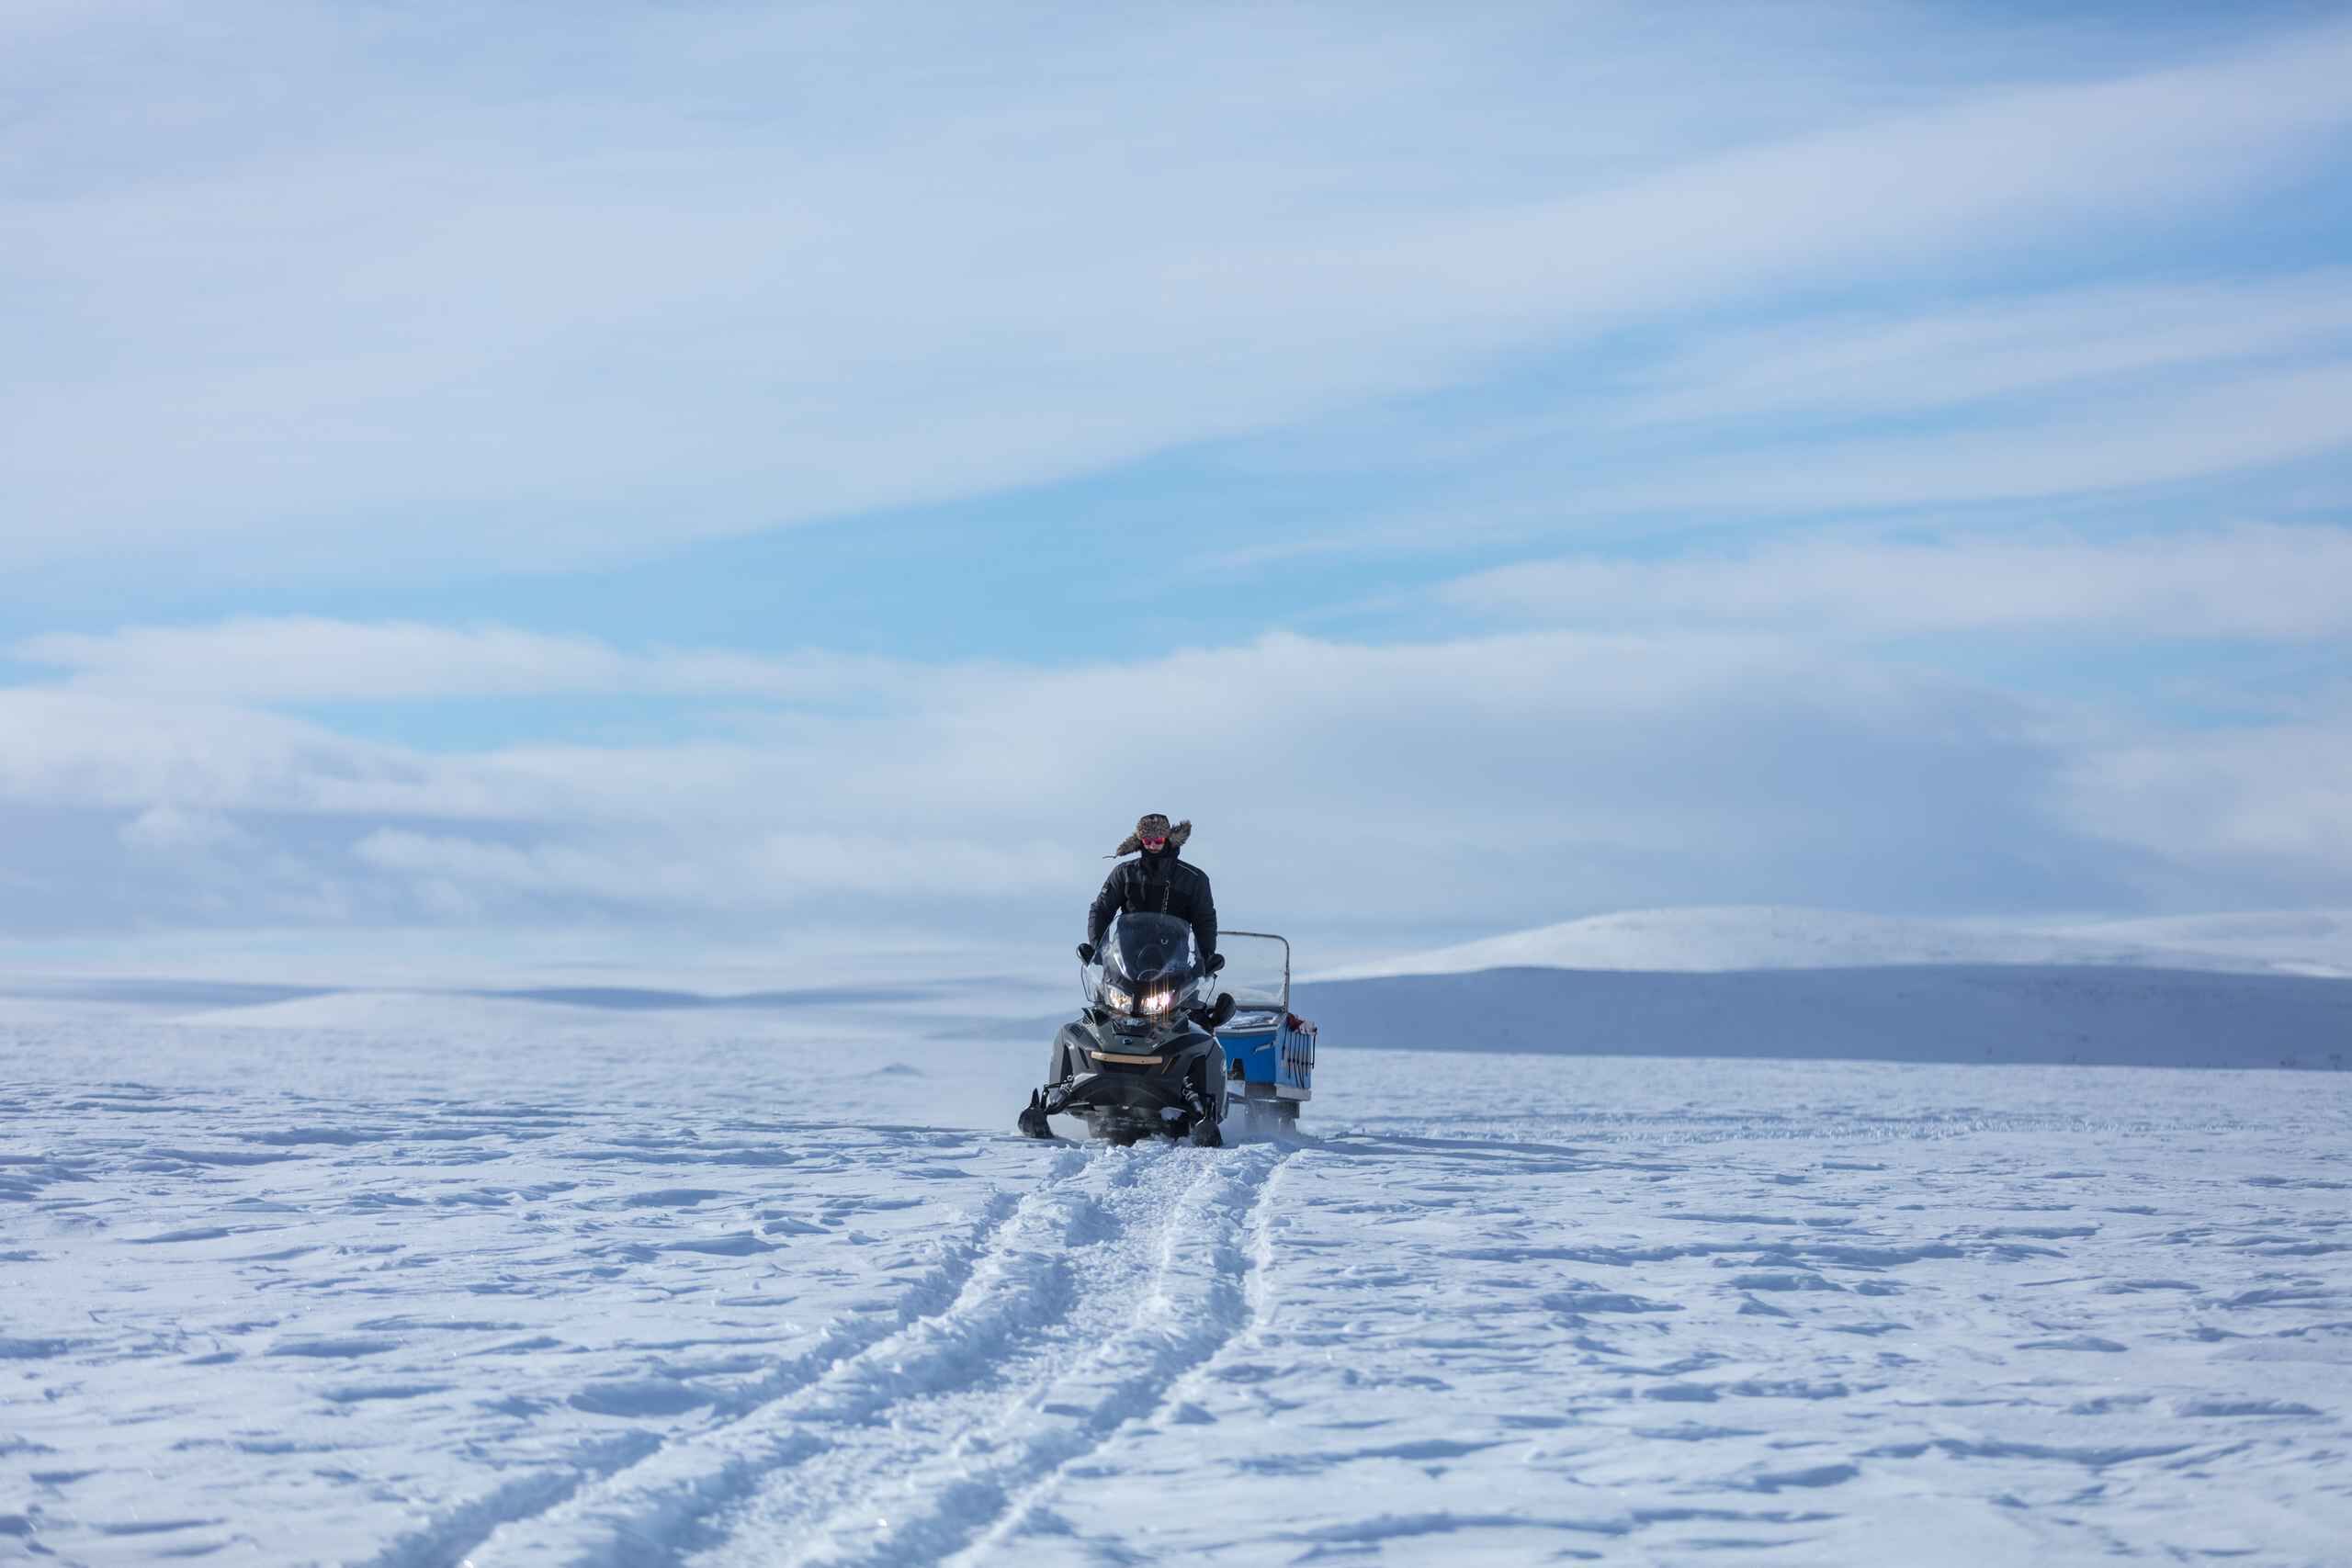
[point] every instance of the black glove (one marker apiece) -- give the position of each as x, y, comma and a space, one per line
1086, 952
1216, 962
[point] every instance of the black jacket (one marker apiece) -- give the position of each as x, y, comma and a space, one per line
1156, 884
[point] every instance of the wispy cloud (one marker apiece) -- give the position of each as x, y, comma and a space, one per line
774, 871
2099, 397
277, 659
1888, 363
559, 325
2256, 581
2121, 443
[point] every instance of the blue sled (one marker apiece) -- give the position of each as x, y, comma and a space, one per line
1269, 1050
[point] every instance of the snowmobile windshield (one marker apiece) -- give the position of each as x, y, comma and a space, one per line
1147, 948
1147, 965
1257, 971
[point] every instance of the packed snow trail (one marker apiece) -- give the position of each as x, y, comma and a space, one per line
349, 1298
1149, 1269
1106, 1281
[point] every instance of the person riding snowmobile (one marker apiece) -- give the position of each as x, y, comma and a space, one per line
1157, 881
1145, 1055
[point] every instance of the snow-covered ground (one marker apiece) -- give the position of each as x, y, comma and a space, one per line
519, 1283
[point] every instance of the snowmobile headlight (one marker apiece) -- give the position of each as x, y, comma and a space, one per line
1118, 998
1158, 1002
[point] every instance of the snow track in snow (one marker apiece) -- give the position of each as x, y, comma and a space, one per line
1063, 1316
628, 1512
1130, 1279
638, 1515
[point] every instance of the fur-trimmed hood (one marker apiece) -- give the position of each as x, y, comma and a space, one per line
1132, 845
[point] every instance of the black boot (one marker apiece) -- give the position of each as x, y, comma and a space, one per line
1032, 1123
1205, 1133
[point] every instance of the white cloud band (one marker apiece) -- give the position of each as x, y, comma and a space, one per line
2262, 582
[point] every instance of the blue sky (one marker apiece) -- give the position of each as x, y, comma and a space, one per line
755, 480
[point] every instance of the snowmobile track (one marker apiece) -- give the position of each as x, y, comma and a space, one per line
1074, 1341
1251, 1299
622, 1514
1063, 1317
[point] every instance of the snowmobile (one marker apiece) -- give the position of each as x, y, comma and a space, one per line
1143, 1059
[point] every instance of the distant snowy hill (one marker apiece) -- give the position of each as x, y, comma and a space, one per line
1739, 937
2109, 1015
2231, 990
